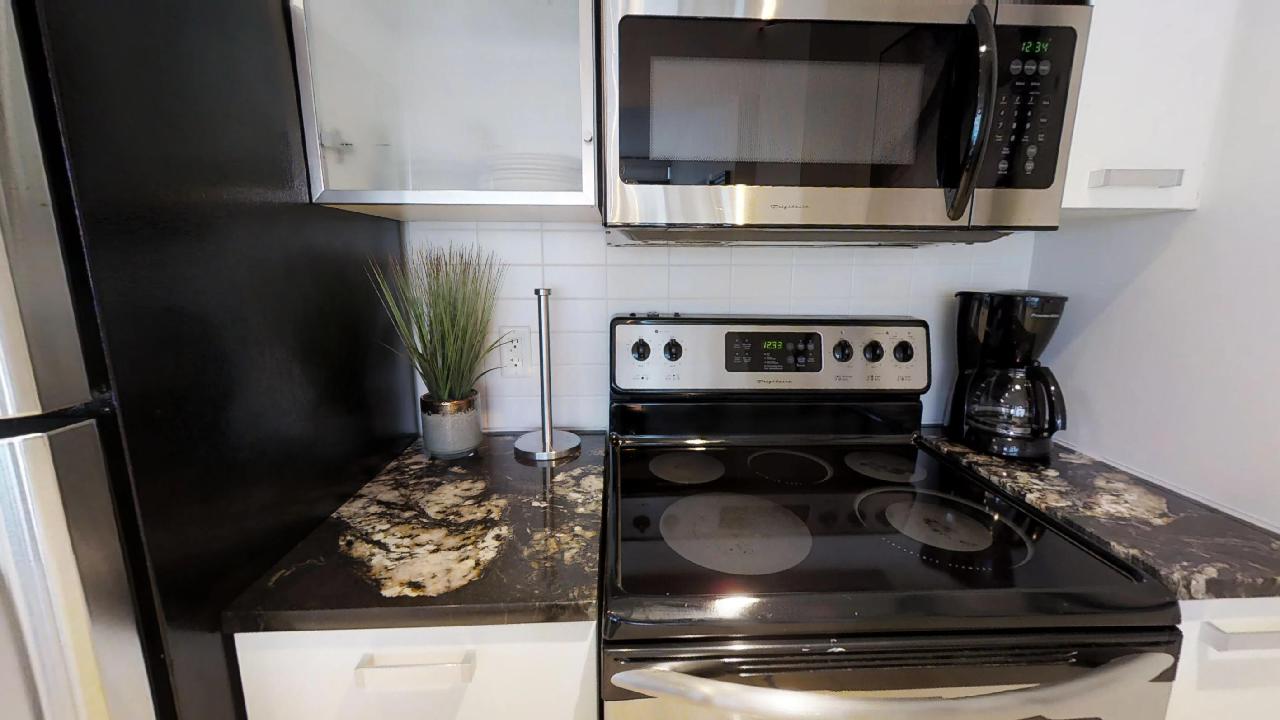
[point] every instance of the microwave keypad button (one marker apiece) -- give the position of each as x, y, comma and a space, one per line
1032, 151
1015, 67
1044, 67
1029, 67
1030, 166
1003, 167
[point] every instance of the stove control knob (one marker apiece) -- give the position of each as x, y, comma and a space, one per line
672, 350
903, 352
842, 351
640, 350
873, 351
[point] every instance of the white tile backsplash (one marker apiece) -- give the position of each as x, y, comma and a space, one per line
760, 282
574, 281
573, 247
591, 282
700, 281
626, 281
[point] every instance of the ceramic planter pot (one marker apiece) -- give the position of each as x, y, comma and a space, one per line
450, 428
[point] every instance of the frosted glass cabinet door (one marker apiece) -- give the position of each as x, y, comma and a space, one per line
453, 102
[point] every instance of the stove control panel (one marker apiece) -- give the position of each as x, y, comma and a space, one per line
727, 354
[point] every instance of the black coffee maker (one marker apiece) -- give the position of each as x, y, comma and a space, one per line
1005, 403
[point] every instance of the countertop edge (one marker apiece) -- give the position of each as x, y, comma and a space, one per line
1205, 553
385, 618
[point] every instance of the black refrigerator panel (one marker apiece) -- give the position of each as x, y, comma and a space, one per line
244, 349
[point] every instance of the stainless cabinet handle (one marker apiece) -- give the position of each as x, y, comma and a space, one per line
401, 673
1253, 636
1136, 178
1067, 699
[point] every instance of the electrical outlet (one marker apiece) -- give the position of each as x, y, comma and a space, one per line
514, 351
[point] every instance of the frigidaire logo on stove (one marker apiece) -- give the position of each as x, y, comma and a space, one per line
788, 206
767, 381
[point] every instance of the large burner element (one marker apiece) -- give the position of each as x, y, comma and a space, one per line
735, 534
943, 529
790, 467
687, 467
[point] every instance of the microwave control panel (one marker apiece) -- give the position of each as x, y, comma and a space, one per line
1031, 104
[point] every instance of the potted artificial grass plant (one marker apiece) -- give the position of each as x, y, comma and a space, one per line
441, 302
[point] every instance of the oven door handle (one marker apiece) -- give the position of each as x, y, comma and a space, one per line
976, 146
1058, 701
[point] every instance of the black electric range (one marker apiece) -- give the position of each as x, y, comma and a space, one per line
764, 487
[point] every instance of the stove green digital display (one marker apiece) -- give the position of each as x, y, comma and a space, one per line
1035, 47
772, 352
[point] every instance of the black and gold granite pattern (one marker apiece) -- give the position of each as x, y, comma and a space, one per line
1197, 551
482, 540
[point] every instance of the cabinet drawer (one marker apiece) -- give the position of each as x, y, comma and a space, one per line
544, 670
1230, 663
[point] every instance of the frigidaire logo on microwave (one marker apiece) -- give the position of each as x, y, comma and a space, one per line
788, 206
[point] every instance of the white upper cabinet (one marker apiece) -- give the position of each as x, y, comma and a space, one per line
1148, 101
422, 109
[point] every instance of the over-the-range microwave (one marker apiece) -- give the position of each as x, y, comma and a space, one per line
835, 120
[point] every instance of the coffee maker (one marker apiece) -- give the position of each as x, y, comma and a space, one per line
1005, 403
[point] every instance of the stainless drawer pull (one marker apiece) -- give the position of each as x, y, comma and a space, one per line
1069, 699
1136, 178
409, 672
1242, 635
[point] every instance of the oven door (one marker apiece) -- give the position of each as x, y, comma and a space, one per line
1112, 676
862, 113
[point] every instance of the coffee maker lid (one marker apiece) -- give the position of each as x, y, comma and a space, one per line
1013, 293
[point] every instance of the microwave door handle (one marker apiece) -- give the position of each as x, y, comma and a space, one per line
1105, 686
980, 132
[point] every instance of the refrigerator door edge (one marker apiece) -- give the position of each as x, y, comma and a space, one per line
64, 573
41, 362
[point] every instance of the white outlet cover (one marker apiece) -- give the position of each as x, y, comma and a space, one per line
514, 351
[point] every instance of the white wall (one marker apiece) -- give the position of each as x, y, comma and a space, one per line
591, 282
1168, 348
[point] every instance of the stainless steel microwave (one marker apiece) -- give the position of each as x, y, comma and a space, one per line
822, 117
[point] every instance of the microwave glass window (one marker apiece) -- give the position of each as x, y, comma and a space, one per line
784, 111
714, 101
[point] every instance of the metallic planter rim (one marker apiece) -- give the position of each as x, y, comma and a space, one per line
432, 406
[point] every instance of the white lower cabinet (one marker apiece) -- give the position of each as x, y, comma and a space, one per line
543, 671
1230, 664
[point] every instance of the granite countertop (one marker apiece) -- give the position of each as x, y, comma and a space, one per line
1197, 551
481, 540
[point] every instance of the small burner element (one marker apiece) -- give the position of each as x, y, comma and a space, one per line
790, 467
936, 526
735, 534
948, 531
884, 466
687, 468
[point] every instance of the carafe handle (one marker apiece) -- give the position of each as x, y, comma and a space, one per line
1051, 408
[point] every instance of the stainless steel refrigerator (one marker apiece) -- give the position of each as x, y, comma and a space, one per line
68, 633
194, 369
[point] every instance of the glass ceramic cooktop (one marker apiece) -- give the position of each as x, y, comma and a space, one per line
762, 519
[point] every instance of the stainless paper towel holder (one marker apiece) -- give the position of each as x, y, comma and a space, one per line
547, 443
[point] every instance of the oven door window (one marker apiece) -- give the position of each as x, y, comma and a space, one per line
793, 103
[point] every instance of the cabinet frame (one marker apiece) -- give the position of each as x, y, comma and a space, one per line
584, 198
